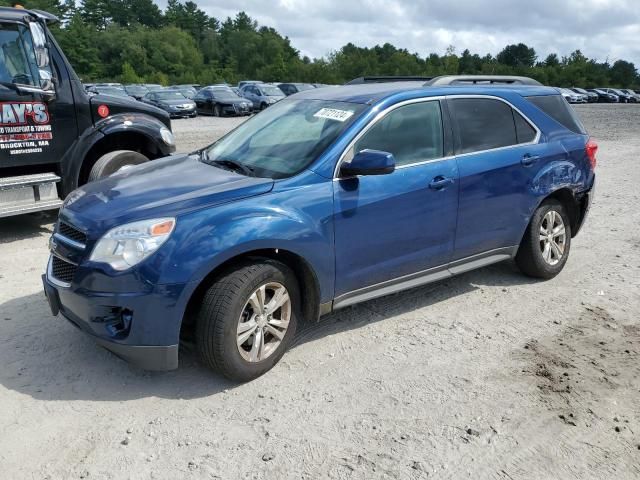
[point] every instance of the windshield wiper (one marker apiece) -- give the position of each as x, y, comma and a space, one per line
235, 166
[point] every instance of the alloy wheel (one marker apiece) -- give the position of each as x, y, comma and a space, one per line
552, 237
263, 322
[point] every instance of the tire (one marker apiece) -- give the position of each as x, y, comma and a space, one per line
216, 111
227, 304
263, 106
537, 257
113, 161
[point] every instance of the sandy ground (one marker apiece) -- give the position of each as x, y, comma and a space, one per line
488, 375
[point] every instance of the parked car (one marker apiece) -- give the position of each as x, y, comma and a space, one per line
326, 199
262, 95
635, 96
291, 88
221, 101
247, 82
572, 97
604, 97
136, 91
186, 90
173, 102
622, 97
592, 97
108, 90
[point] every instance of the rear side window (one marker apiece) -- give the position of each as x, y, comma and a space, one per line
412, 133
483, 124
525, 133
557, 108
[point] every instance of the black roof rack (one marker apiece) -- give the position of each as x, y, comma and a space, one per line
385, 79
480, 79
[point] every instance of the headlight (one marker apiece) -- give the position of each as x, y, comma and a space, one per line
167, 136
127, 245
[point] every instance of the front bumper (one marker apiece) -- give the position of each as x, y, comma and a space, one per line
182, 113
141, 328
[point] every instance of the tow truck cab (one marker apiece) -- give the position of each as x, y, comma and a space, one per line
53, 136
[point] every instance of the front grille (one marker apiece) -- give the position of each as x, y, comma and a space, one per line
71, 233
61, 270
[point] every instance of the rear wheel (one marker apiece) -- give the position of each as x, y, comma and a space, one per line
111, 162
545, 246
248, 319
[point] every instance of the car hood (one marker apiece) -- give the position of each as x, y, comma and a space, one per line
160, 188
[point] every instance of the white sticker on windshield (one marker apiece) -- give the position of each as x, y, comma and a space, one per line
334, 114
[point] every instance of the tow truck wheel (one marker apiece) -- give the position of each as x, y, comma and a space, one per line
113, 161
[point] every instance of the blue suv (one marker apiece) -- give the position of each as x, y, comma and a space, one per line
326, 199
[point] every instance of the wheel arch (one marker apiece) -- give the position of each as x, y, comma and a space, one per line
568, 200
304, 272
119, 140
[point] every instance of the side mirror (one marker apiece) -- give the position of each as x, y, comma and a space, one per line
43, 61
39, 45
369, 162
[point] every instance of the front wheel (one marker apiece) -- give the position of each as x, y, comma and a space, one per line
248, 319
111, 162
545, 246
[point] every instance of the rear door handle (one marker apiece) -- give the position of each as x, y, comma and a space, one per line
440, 182
529, 160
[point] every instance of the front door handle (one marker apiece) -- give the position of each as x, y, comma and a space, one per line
440, 182
529, 160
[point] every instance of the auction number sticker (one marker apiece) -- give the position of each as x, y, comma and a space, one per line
334, 114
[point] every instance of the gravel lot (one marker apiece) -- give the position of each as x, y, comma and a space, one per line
487, 375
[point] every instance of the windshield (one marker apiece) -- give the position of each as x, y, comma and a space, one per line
271, 91
286, 138
224, 93
175, 95
187, 91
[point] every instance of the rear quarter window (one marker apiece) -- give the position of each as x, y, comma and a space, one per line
557, 108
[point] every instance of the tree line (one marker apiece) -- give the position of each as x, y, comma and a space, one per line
135, 41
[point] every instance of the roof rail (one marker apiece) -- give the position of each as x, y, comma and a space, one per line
480, 79
385, 79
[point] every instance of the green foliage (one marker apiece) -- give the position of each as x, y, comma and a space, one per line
135, 41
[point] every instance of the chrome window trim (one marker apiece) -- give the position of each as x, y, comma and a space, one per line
389, 109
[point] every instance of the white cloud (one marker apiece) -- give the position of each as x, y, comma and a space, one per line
602, 29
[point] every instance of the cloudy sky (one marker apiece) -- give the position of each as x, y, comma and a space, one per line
602, 29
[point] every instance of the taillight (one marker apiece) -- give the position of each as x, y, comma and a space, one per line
591, 148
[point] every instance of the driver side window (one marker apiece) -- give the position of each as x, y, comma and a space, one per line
412, 133
17, 57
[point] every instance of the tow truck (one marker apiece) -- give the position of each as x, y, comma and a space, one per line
54, 137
